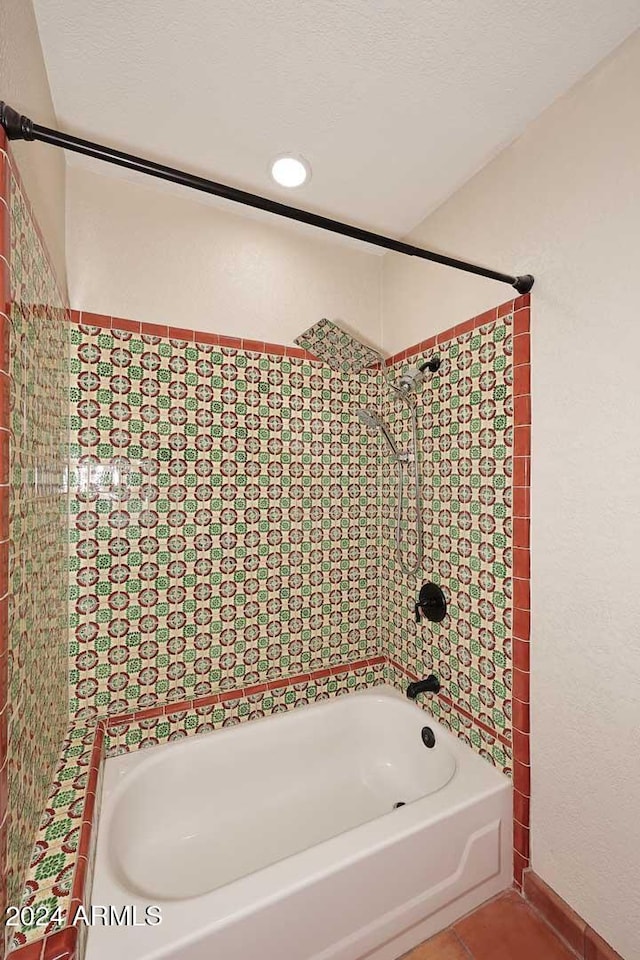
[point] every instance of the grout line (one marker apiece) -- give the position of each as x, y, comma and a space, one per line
461, 941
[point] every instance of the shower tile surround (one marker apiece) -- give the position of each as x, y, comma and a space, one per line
153, 724
475, 440
181, 674
33, 508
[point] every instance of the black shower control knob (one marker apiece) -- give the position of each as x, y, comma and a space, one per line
431, 603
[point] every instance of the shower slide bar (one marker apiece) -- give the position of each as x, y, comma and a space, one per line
19, 127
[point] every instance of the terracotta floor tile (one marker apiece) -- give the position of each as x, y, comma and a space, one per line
445, 946
507, 929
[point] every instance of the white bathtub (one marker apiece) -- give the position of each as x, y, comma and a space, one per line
278, 839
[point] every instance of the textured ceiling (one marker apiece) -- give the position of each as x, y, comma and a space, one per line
395, 104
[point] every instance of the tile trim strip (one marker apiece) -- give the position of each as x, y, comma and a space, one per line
521, 575
489, 316
106, 322
238, 693
568, 924
84, 318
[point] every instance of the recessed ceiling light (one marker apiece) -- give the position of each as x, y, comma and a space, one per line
290, 171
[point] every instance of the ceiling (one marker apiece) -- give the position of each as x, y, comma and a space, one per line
395, 104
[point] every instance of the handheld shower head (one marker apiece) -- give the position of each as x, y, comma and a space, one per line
371, 420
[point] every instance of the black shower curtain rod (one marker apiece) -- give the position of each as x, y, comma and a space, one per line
19, 127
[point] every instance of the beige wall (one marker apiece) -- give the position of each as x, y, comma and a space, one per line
24, 85
140, 252
563, 202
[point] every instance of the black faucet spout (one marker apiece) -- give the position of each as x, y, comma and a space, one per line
430, 684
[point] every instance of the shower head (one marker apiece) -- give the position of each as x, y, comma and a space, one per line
371, 419
337, 348
411, 380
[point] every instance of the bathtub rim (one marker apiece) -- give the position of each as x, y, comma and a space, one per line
458, 748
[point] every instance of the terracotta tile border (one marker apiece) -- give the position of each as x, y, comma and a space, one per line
424, 346
237, 693
61, 945
521, 606
569, 925
521, 616
85, 318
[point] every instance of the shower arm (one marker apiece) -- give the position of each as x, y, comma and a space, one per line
19, 127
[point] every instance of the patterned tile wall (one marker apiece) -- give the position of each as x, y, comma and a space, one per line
224, 519
178, 721
37, 609
465, 438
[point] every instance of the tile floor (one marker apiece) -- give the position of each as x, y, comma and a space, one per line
504, 929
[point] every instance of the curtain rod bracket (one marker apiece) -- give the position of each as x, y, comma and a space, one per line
16, 125
524, 283
19, 127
